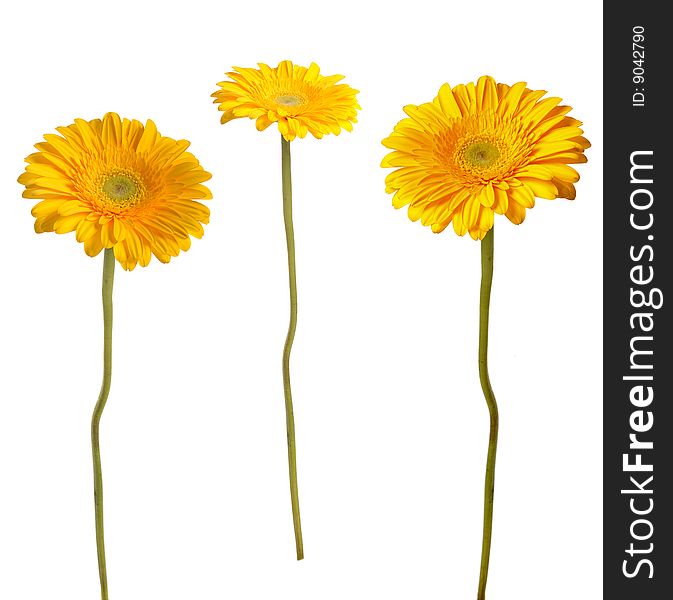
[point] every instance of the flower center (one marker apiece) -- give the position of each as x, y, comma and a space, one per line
122, 189
290, 100
481, 155
482, 158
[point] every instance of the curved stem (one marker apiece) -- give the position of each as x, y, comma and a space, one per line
289, 414
484, 302
108, 280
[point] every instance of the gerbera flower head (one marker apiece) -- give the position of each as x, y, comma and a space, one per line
478, 150
118, 184
299, 99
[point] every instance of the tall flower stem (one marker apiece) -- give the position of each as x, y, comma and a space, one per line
289, 413
484, 304
108, 280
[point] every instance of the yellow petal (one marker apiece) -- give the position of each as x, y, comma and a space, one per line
148, 137
521, 195
86, 229
68, 224
501, 201
471, 211
93, 245
515, 213
487, 195
540, 188
565, 189
447, 102
510, 102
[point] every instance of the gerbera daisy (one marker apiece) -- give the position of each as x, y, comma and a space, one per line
299, 99
478, 150
474, 151
125, 188
118, 184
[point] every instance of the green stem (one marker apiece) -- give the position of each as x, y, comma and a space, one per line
108, 280
289, 414
484, 302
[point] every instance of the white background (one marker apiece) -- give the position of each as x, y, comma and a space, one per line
391, 424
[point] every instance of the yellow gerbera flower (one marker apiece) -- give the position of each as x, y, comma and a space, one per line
118, 184
477, 150
299, 99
